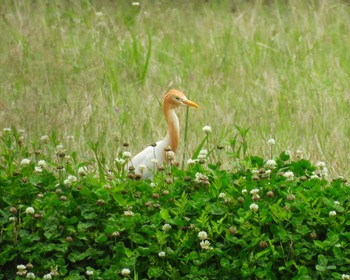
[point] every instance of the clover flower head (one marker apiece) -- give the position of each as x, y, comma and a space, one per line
222, 195
47, 276
271, 141
120, 161
82, 171
30, 275
21, 267
289, 175
205, 245
142, 167
154, 160
345, 277
254, 207
38, 169
161, 254
129, 213
321, 164
125, 272
166, 227
30, 210
191, 161
202, 179
170, 155
336, 202
332, 213
244, 191
89, 272
126, 155
271, 164
25, 162
42, 163
254, 191
206, 129
202, 235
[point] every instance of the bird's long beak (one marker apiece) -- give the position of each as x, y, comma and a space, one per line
190, 103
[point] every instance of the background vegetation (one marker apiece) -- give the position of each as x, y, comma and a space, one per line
98, 69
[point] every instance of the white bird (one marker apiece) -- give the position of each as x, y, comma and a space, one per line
146, 161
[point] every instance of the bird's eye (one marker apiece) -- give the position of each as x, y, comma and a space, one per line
177, 98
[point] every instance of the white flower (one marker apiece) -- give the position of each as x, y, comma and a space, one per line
38, 169
42, 163
271, 141
314, 176
201, 178
21, 267
203, 154
244, 191
268, 172
332, 213
288, 152
289, 175
30, 210
271, 163
126, 155
170, 155
345, 277
45, 138
82, 171
161, 254
89, 273
166, 227
152, 185
59, 148
254, 207
254, 191
12, 219
321, 164
206, 129
222, 195
205, 244
142, 167
135, 3
336, 202
125, 271
191, 161
255, 171
7, 129
25, 162
299, 153
202, 235
154, 160
128, 213
47, 276
30, 275
70, 180
99, 14
120, 161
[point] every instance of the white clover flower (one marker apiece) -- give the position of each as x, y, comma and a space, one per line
271, 163
345, 277
126, 155
202, 235
38, 169
321, 164
268, 172
7, 129
201, 178
332, 213
125, 272
314, 176
12, 219
255, 171
120, 161
89, 272
299, 153
170, 155
59, 148
254, 207
203, 154
254, 191
288, 152
191, 161
289, 175
129, 213
336, 202
99, 14
222, 195
154, 160
30, 210
82, 171
166, 227
30, 275
206, 129
67, 183
205, 244
271, 141
152, 185
47, 276
42, 163
161, 254
45, 138
21, 267
72, 178
324, 172
244, 191
142, 167
25, 162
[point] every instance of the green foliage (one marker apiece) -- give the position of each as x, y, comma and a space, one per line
267, 220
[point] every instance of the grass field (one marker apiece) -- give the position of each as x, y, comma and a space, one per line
97, 70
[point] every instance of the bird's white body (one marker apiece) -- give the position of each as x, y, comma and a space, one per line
147, 161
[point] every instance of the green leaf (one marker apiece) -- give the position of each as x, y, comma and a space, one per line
164, 213
320, 268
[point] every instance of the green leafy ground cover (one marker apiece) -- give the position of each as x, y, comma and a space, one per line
276, 218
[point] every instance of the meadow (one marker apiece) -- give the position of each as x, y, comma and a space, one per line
81, 82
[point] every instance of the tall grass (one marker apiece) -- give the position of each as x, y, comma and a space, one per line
98, 68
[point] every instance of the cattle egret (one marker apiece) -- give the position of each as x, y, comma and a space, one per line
147, 160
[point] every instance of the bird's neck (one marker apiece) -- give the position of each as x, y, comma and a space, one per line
173, 127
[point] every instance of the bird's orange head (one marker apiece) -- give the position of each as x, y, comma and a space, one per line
175, 98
